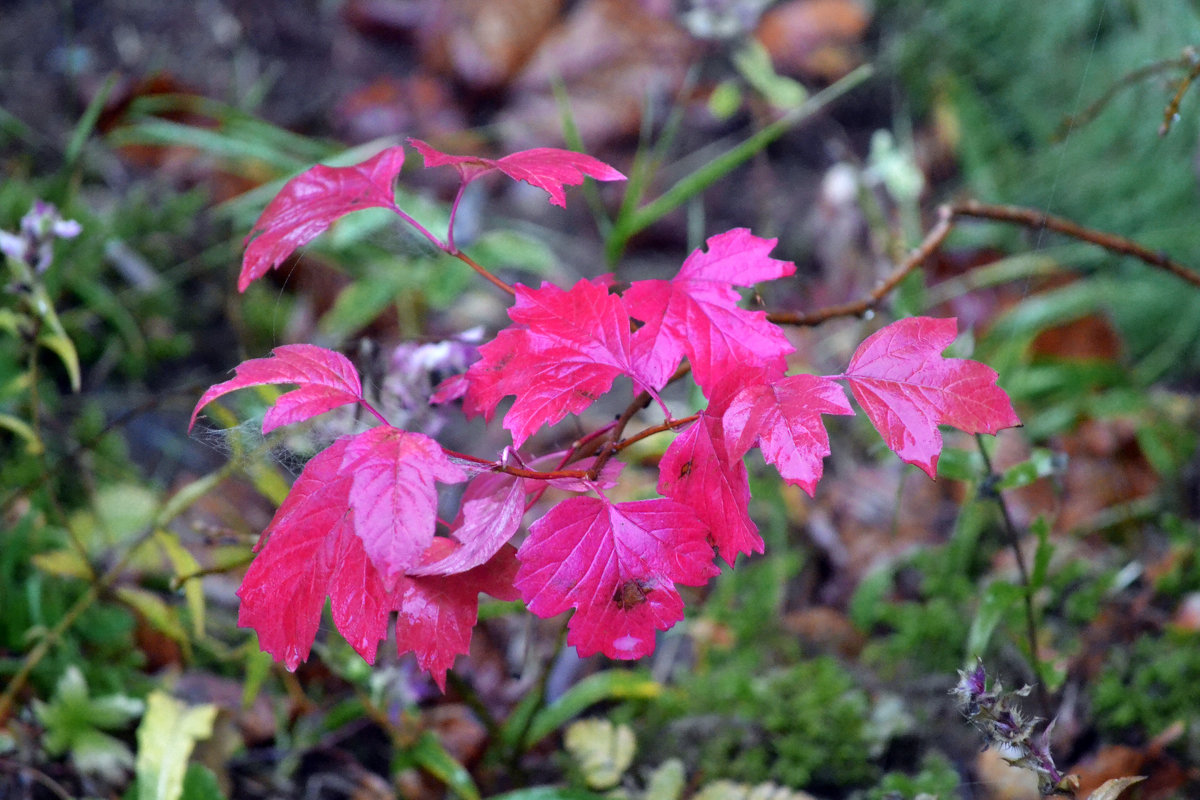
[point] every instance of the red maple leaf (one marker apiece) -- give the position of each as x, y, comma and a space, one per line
326, 381
696, 313
310, 202
312, 551
698, 471
617, 565
547, 168
784, 419
562, 352
907, 389
392, 494
435, 614
493, 506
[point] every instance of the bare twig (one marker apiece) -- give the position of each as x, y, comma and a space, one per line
1172, 109
948, 217
1037, 220
929, 245
1184, 61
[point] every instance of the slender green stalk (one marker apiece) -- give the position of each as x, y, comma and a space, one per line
1014, 541
693, 184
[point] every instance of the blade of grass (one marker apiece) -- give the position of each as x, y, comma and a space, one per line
689, 186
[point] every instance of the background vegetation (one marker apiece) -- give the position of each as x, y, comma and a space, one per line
825, 666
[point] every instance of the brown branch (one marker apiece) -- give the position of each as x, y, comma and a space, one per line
932, 241
948, 217
1172, 109
1183, 62
1037, 220
473, 264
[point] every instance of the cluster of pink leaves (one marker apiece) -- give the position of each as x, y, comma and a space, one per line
360, 524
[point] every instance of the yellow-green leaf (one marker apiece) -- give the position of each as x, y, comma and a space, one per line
67, 563
33, 445
161, 616
602, 750
166, 737
185, 564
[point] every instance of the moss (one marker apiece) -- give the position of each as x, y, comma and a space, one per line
1150, 686
799, 726
936, 776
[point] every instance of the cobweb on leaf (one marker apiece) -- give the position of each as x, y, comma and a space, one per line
290, 447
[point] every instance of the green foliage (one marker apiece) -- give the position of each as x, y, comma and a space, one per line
75, 722
936, 776
1016, 143
928, 633
1150, 685
799, 725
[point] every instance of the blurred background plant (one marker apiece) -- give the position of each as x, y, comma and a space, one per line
836, 125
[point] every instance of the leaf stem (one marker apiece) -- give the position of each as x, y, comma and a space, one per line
452, 248
1014, 541
470, 262
520, 472
421, 229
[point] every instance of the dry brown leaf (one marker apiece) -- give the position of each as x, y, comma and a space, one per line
459, 731
814, 38
1113, 763
1111, 789
825, 630
1087, 338
611, 55
488, 41
1002, 781
415, 105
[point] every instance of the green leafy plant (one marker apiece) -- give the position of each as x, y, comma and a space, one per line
804, 724
76, 723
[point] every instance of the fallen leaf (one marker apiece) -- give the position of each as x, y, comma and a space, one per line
613, 56
815, 38
1112, 789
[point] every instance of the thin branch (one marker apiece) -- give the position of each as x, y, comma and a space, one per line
470, 262
1014, 541
1185, 61
1172, 109
929, 245
948, 217
1037, 220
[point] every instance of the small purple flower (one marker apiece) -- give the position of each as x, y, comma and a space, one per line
414, 372
1000, 720
33, 245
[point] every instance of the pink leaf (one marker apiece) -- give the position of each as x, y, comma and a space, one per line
617, 565
436, 614
907, 389
562, 352
310, 202
784, 419
493, 506
310, 551
544, 167
326, 380
451, 388
697, 471
392, 494
697, 314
